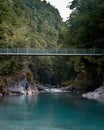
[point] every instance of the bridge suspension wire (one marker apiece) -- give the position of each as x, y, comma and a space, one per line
51, 52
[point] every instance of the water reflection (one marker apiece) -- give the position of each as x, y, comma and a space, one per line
50, 112
18, 100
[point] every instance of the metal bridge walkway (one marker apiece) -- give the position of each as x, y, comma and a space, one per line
51, 52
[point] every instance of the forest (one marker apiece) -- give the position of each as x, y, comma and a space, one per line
37, 24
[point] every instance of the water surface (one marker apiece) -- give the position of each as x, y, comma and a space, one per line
50, 112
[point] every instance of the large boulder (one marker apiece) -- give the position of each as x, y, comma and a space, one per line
23, 87
97, 94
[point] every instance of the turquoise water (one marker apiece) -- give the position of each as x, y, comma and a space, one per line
50, 112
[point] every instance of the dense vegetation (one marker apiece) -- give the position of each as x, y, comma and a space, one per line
86, 24
29, 23
32, 24
37, 24
85, 29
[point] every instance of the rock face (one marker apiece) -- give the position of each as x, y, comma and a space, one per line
32, 90
22, 87
97, 94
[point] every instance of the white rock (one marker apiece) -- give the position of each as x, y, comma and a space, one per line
97, 94
53, 90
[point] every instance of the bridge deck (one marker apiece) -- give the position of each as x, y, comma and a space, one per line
50, 52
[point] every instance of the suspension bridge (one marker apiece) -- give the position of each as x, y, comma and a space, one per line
51, 52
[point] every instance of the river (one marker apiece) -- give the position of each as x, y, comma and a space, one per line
50, 112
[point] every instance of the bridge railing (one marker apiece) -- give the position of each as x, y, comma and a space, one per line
38, 51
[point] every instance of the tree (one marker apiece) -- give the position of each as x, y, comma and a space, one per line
86, 23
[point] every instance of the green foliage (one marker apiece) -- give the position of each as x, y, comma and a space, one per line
29, 23
85, 29
37, 24
86, 24
63, 69
32, 24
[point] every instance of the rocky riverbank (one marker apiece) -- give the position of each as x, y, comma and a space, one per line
20, 88
97, 94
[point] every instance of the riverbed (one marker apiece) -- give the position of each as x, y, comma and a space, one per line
57, 111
